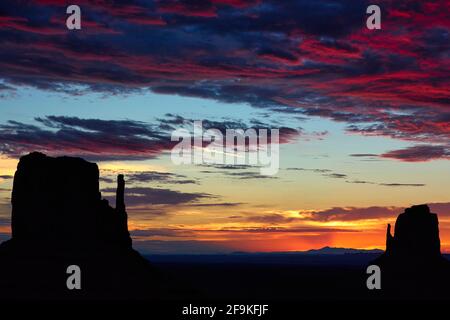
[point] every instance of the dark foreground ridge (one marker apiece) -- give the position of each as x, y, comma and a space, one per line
412, 265
59, 219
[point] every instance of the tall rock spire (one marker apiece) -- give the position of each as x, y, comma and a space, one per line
120, 198
389, 240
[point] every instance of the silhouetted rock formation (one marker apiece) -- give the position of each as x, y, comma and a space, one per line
56, 202
416, 235
412, 264
59, 219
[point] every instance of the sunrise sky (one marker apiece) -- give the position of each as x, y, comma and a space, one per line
364, 115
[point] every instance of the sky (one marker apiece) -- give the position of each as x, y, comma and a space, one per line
364, 115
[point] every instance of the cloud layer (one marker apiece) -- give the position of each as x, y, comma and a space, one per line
314, 57
96, 139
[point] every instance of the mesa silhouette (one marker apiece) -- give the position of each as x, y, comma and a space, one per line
59, 219
412, 265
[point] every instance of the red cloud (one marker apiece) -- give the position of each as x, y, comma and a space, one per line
392, 83
367, 213
198, 9
21, 24
236, 3
419, 153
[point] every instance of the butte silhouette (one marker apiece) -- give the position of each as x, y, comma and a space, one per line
59, 219
412, 265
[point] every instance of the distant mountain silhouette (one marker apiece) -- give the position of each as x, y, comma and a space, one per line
322, 251
412, 265
59, 219
339, 251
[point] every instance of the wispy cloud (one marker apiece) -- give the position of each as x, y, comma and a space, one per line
419, 153
97, 139
365, 213
136, 196
330, 174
